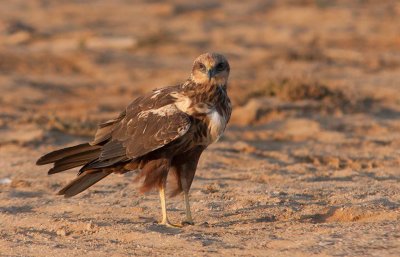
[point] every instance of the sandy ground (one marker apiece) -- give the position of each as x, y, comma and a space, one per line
309, 165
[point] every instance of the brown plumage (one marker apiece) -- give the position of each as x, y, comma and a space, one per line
161, 132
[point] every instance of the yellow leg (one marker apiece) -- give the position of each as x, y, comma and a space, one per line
189, 219
165, 220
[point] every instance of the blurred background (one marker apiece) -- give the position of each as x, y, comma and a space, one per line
313, 141
90, 58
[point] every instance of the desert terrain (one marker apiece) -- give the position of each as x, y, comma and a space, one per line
308, 166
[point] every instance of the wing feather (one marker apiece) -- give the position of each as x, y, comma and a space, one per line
105, 130
148, 123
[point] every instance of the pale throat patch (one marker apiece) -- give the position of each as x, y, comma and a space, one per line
217, 124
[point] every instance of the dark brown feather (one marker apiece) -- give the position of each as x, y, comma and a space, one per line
75, 160
104, 131
83, 182
66, 166
154, 172
96, 164
65, 152
142, 131
185, 165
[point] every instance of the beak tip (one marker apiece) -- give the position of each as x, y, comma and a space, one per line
209, 75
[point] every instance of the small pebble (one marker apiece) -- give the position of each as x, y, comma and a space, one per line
61, 232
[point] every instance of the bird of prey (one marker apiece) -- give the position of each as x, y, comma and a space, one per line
162, 132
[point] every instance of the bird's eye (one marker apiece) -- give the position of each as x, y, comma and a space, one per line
220, 66
201, 66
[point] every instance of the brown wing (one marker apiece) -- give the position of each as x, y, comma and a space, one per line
105, 130
149, 123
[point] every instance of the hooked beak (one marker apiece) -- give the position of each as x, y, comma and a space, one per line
210, 74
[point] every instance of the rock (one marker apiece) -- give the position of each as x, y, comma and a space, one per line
89, 226
61, 232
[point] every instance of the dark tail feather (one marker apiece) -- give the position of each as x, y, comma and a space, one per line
83, 182
65, 152
98, 164
75, 160
66, 166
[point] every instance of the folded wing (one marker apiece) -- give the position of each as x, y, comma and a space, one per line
148, 124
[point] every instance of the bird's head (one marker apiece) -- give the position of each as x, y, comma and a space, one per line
210, 68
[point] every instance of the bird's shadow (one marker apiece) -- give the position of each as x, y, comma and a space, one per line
152, 224
155, 227
263, 219
16, 209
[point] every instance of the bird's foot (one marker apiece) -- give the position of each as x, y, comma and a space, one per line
187, 223
169, 224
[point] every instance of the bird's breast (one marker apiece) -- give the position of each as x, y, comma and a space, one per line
216, 125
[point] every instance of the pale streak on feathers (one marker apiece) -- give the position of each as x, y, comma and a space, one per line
182, 102
165, 110
156, 93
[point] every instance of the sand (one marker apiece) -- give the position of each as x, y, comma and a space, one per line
308, 166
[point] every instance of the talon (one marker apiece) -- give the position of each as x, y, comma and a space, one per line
187, 223
170, 225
